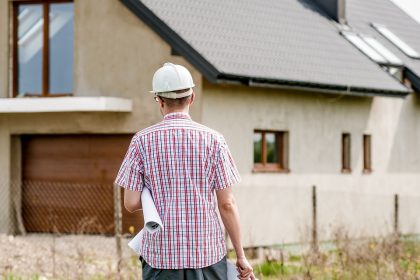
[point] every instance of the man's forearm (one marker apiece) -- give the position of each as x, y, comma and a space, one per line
230, 217
132, 200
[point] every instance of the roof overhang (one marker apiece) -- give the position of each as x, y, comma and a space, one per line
413, 78
212, 74
311, 87
65, 104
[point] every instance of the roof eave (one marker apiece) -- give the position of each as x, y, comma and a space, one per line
215, 76
309, 86
413, 78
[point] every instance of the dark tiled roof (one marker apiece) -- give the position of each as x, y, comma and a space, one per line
286, 42
361, 13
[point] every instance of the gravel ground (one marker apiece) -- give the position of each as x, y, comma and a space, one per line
42, 256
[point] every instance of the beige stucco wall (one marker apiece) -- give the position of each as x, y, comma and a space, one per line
276, 208
115, 54
4, 139
4, 29
5, 201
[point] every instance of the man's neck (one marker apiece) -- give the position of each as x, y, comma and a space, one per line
169, 111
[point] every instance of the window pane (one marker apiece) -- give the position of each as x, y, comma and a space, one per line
272, 151
257, 147
30, 32
367, 152
364, 47
61, 48
346, 151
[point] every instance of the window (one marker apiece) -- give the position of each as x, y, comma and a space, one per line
387, 54
43, 48
346, 150
373, 49
271, 151
403, 46
367, 154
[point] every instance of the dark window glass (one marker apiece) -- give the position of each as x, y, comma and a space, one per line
271, 151
346, 151
61, 48
30, 44
367, 153
257, 147
272, 148
44, 48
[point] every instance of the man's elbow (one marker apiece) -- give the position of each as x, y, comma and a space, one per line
131, 206
227, 206
132, 200
128, 207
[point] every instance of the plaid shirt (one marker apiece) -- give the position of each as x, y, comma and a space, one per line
181, 162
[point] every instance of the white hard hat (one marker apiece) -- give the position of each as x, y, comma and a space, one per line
170, 78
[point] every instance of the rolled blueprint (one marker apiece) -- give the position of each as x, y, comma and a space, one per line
152, 221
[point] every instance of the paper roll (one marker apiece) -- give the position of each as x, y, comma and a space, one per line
136, 243
152, 221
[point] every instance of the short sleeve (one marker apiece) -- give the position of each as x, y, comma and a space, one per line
131, 173
226, 174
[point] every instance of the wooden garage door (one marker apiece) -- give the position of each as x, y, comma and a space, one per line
68, 183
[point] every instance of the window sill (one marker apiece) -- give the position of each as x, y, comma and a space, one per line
65, 104
270, 170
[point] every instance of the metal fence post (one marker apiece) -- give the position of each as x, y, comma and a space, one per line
314, 221
396, 214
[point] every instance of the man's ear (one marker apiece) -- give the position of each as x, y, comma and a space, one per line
192, 98
161, 102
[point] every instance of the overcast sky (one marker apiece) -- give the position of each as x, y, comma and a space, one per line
411, 7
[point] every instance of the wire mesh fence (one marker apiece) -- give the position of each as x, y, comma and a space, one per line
64, 230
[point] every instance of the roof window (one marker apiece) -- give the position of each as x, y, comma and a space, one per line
372, 48
403, 46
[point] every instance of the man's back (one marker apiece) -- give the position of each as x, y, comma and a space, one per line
182, 163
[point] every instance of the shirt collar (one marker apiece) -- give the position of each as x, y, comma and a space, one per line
177, 115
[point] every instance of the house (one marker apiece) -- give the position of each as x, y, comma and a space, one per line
306, 92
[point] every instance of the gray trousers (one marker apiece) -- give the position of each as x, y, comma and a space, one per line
217, 271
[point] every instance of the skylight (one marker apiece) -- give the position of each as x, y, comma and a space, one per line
403, 46
364, 47
369, 48
387, 54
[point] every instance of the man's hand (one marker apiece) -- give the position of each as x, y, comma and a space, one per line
245, 269
230, 217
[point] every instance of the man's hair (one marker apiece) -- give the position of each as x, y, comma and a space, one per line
179, 102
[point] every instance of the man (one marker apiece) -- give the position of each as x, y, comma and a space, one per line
184, 165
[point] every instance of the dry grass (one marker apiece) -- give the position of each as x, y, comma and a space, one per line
43, 256
94, 258
384, 258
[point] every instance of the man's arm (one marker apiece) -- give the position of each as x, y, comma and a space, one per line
230, 217
132, 201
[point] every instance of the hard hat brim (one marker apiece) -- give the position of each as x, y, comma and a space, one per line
157, 92
174, 95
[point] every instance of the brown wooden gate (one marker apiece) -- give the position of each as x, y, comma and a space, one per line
68, 183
